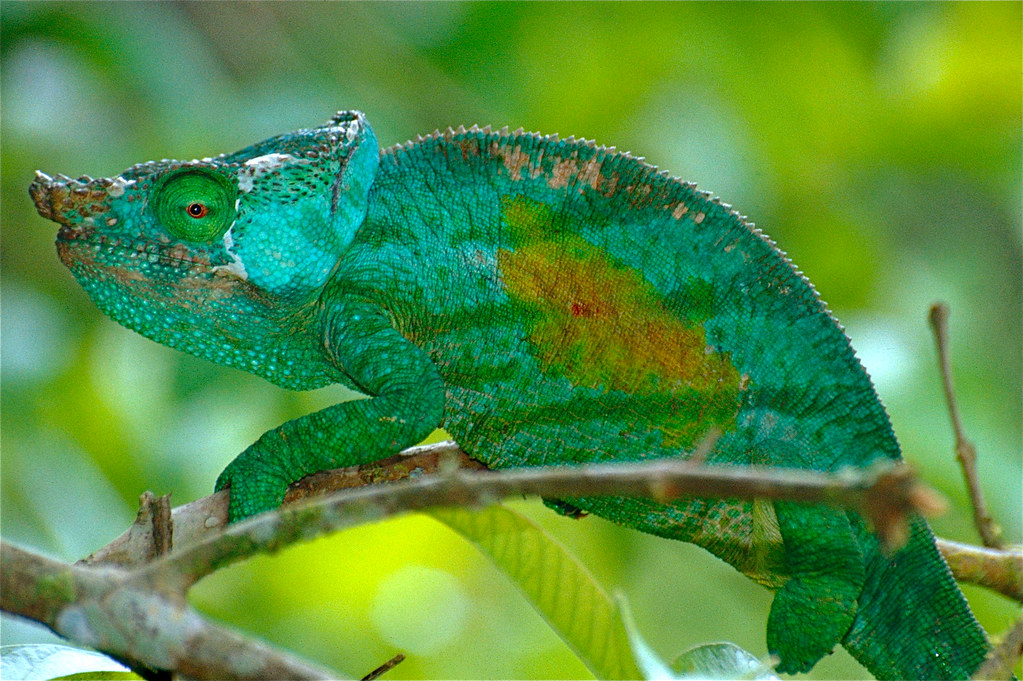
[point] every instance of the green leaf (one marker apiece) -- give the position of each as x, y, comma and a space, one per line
710, 661
650, 663
555, 583
721, 661
35, 661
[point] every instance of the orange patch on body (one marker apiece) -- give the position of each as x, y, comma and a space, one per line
603, 326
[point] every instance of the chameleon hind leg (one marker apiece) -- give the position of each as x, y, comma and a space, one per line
815, 607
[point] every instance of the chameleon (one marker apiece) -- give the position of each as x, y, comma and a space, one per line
547, 302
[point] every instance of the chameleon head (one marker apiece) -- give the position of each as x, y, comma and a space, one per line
203, 253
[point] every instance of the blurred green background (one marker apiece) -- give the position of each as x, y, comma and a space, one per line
879, 144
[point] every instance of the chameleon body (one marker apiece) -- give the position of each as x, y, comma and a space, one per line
547, 302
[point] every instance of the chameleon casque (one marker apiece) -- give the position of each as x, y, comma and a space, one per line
547, 302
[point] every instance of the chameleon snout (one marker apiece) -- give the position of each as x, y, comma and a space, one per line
68, 201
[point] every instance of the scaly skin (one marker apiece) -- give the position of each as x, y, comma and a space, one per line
547, 302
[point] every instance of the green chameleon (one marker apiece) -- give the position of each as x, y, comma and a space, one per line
547, 302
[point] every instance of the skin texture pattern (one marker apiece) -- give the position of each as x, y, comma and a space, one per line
547, 302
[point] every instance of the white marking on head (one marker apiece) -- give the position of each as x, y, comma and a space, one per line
261, 165
236, 267
351, 131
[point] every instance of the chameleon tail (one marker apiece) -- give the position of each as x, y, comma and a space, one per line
912, 621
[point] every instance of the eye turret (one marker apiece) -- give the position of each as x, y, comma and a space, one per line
195, 204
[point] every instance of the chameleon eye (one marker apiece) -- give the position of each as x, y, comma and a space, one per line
195, 204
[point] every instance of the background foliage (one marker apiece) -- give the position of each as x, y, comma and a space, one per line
879, 144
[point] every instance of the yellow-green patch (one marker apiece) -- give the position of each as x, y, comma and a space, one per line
603, 326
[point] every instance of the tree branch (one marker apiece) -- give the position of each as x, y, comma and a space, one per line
994, 569
966, 453
113, 608
134, 620
998, 569
885, 494
196, 520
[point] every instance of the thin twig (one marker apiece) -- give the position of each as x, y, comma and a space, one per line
163, 525
998, 569
197, 520
1001, 659
886, 493
966, 453
384, 668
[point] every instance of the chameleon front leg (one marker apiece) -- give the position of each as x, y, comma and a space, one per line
814, 609
405, 404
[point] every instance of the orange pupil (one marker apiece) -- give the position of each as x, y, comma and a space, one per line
197, 210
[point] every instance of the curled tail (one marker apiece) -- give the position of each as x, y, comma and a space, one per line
912, 621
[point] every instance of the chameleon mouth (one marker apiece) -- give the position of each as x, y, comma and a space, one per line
76, 246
